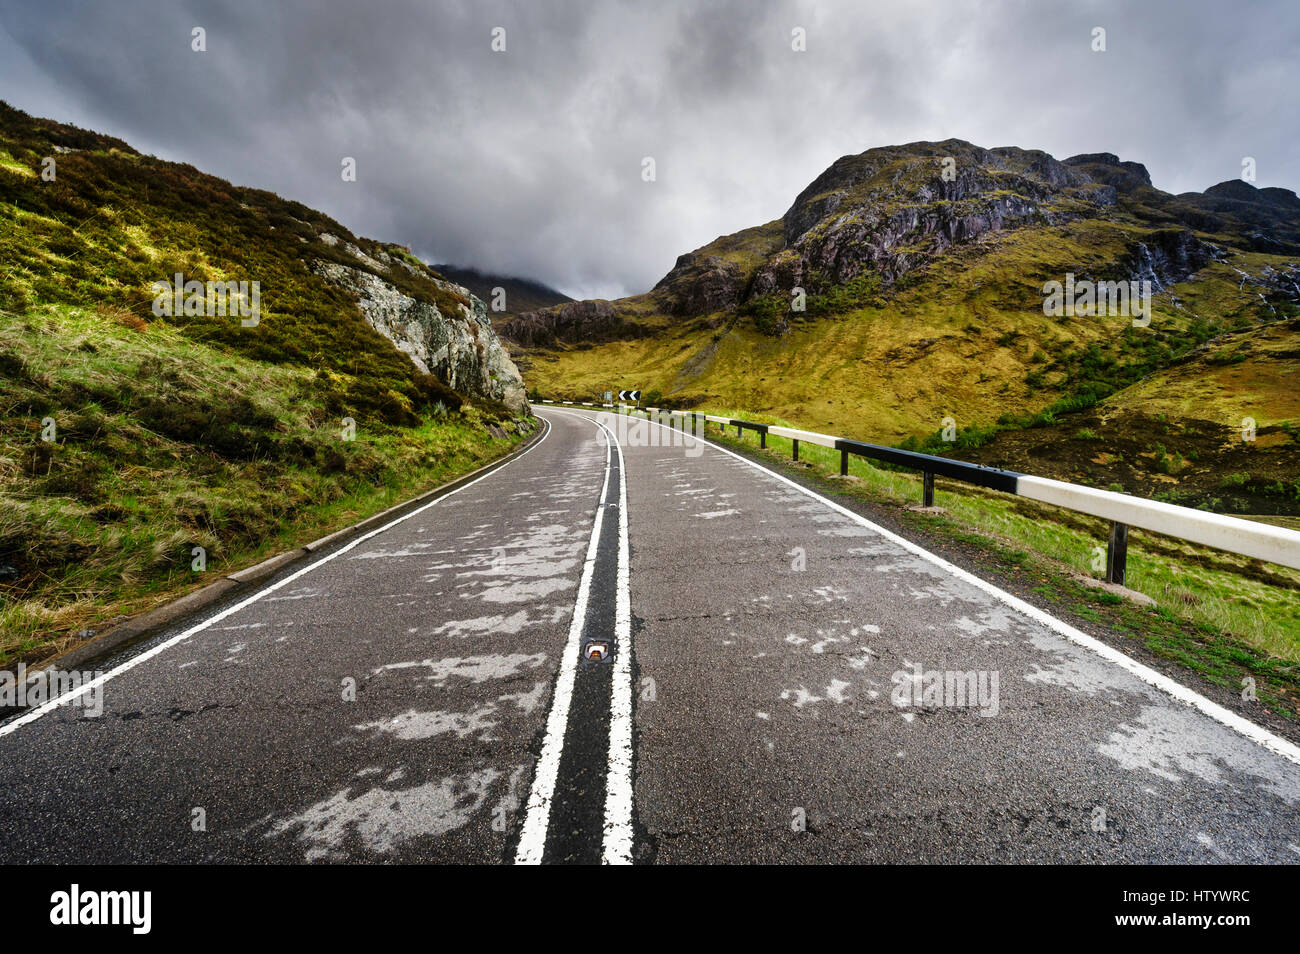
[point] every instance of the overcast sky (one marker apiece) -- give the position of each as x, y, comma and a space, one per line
528, 162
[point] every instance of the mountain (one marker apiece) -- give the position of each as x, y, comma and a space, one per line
521, 294
113, 222
189, 364
924, 269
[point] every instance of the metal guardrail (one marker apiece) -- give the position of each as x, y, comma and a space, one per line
1232, 534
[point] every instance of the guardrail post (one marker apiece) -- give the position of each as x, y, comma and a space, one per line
844, 463
796, 448
1117, 553
762, 438
927, 492
737, 430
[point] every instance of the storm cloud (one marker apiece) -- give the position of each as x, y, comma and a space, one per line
528, 162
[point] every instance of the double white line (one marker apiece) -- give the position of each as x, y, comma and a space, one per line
617, 844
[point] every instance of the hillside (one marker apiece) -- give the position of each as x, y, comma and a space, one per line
925, 301
521, 294
342, 375
1165, 437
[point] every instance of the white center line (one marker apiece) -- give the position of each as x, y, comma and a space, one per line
618, 782
532, 840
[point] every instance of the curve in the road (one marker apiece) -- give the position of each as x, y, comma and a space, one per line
762, 726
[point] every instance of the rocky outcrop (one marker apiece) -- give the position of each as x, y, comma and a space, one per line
460, 349
716, 278
1107, 168
891, 210
701, 284
1268, 219
571, 323
1275, 286
886, 213
1165, 258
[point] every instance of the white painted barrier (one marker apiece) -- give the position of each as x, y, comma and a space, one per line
1261, 541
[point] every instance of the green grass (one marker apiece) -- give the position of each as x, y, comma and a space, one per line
190, 431
164, 444
113, 222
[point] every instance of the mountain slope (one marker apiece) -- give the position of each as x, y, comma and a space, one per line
136, 432
113, 222
925, 299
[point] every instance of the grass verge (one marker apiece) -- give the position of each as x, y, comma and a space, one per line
139, 464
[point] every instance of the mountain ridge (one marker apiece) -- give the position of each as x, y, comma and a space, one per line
924, 301
1015, 184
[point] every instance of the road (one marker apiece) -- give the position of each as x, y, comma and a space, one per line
423, 694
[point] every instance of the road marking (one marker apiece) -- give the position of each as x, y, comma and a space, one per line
618, 784
230, 611
1151, 677
532, 839
617, 829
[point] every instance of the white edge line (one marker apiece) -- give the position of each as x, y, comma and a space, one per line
134, 661
532, 838
1151, 677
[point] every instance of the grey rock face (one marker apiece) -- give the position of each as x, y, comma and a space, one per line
1275, 285
700, 284
890, 210
1270, 217
1166, 258
572, 322
1108, 168
461, 349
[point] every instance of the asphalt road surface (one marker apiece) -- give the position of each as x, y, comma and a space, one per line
626, 645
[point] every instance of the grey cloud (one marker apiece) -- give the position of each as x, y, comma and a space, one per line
529, 162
